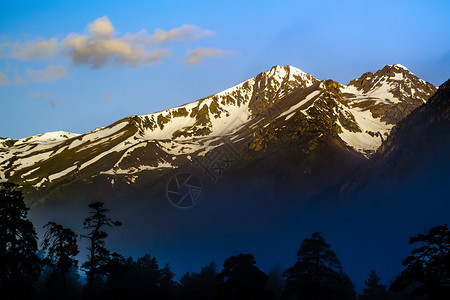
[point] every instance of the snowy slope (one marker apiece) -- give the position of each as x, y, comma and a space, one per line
365, 110
379, 101
226, 110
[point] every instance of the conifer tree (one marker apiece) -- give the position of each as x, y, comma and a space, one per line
374, 290
19, 263
317, 274
427, 269
99, 257
168, 286
61, 246
242, 279
200, 286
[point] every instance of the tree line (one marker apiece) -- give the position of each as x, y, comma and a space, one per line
50, 271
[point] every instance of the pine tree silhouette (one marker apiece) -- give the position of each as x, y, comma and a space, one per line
317, 274
169, 287
61, 246
427, 269
19, 263
242, 279
374, 290
199, 286
99, 258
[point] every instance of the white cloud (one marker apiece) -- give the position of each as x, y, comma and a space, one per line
51, 73
100, 46
102, 27
31, 50
4, 80
197, 55
98, 51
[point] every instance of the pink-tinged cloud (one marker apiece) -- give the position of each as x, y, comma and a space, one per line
51, 73
35, 49
186, 32
197, 55
100, 46
101, 27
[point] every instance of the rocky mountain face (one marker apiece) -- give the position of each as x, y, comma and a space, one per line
282, 118
434, 115
417, 146
409, 92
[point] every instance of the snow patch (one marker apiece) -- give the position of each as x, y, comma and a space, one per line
62, 173
31, 160
133, 170
363, 141
300, 104
29, 172
41, 183
48, 137
401, 67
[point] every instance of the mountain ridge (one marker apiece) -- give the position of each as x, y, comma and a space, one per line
281, 104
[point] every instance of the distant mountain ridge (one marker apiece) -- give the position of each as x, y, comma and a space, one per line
277, 108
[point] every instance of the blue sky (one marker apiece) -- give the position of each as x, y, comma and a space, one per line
78, 65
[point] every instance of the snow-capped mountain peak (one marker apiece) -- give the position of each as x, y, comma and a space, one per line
277, 107
400, 67
290, 73
227, 110
48, 137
